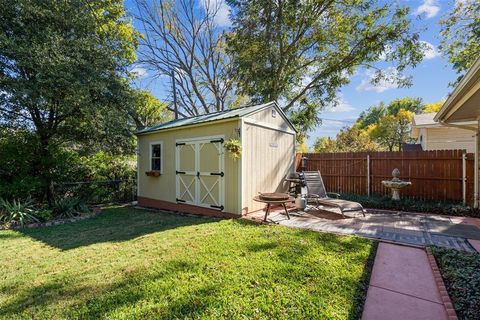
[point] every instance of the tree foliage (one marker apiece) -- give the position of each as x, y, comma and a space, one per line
349, 139
63, 72
392, 131
301, 52
461, 35
433, 107
414, 105
147, 110
380, 127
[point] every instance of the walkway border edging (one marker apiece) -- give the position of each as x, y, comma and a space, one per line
447, 302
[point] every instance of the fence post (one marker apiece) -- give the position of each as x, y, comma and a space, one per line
368, 175
464, 178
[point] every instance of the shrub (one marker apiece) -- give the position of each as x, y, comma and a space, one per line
69, 207
18, 176
17, 211
412, 205
44, 214
461, 273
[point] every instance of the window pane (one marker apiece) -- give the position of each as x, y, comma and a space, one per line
156, 151
156, 164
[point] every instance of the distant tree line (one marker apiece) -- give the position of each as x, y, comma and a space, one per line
379, 128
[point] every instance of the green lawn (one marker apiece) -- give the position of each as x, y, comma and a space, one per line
461, 273
130, 265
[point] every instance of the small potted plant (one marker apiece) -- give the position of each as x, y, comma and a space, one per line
234, 148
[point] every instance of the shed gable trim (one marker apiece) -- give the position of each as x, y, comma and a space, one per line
216, 117
279, 110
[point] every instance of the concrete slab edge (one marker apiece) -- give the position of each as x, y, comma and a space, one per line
447, 302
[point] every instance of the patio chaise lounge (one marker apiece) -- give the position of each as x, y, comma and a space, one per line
317, 194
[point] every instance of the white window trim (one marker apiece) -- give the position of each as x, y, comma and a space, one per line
161, 155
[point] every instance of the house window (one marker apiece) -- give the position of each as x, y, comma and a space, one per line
156, 156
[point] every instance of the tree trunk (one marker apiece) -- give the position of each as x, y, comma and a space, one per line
45, 168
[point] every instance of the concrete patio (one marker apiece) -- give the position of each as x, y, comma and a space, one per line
461, 233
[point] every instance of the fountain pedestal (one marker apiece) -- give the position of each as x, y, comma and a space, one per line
396, 184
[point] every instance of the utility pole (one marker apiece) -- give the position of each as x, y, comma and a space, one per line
174, 95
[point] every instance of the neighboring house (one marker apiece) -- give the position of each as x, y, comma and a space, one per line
432, 135
183, 164
462, 109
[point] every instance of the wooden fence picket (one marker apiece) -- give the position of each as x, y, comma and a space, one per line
435, 175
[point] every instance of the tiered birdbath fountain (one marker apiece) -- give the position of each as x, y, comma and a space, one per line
396, 184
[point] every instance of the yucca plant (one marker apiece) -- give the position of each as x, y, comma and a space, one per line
17, 211
69, 207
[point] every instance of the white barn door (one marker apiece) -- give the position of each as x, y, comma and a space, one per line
200, 172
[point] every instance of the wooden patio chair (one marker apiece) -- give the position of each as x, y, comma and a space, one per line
316, 193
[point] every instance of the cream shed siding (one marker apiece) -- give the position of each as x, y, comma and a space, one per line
269, 150
163, 187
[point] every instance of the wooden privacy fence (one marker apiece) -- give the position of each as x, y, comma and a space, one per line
445, 175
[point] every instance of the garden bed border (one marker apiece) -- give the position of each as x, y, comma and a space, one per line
447, 302
95, 212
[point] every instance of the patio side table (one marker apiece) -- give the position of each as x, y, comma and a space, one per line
269, 203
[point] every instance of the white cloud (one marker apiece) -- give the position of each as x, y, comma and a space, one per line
429, 50
341, 105
389, 81
139, 72
221, 18
429, 7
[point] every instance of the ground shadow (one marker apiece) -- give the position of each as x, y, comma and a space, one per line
362, 288
113, 225
125, 293
183, 288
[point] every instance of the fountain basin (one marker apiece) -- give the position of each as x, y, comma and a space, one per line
396, 184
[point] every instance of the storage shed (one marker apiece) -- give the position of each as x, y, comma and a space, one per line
183, 164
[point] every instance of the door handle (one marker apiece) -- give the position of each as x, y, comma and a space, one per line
198, 174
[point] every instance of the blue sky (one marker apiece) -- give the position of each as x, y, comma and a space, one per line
430, 78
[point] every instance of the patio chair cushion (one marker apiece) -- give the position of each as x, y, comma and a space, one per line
344, 205
317, 193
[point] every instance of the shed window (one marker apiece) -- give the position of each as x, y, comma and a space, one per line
156, 157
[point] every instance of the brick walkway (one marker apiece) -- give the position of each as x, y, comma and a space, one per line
401, 227
403, 286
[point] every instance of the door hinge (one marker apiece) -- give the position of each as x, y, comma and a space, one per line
217, 207
218, 140
221, 174
180, 144
180, 200
180, 172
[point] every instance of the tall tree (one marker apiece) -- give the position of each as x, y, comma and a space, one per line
183, 42
414, 105
349, 139
301, 52
61, 64
147, 110
433, 107
461, 35
392, 131
371, 116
